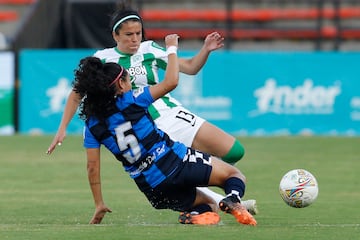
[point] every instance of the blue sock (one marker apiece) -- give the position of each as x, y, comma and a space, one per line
234, 186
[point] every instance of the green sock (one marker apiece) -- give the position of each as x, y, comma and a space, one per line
236, 152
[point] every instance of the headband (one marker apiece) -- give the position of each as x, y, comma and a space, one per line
118, 77
123, 20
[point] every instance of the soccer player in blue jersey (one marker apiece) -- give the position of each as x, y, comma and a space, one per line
167, 172
142, 59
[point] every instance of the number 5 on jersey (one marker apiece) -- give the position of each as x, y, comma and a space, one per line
128, 142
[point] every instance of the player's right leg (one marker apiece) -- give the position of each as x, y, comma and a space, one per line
233, 182
249, 204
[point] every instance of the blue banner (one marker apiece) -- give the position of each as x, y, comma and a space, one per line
269, 93
244, 93
46, 77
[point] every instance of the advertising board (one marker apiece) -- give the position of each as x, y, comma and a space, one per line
244, 93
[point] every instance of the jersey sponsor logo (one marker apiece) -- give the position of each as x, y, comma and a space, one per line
136, 71
152, 156
303, 99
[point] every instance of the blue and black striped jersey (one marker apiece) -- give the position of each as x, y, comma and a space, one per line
147, 153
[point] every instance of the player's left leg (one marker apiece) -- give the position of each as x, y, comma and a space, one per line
215, 141
186, 127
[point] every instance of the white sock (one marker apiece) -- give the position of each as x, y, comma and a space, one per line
216, 196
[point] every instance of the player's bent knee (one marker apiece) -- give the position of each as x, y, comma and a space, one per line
236, 152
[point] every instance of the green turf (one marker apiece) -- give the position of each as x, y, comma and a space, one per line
48, 197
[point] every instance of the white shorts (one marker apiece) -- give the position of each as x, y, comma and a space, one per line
180, 124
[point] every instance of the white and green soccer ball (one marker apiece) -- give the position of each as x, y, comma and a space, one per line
298, 188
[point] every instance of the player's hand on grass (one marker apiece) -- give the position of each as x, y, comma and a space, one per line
213, 41
99, 214
57, 141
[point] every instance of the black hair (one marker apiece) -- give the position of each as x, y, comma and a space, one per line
93, 82
124, 10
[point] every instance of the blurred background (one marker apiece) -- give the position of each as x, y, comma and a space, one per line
291, 65
246, 24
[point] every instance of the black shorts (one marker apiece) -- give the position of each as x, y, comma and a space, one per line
178, 191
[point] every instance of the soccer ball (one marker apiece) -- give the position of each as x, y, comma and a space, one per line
298, 188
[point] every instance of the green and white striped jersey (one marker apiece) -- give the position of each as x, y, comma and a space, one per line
143, 68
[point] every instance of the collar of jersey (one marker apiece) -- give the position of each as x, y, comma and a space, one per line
118, 51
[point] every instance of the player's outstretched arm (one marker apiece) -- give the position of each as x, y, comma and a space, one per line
72, 104
93, 169
192, 66
171, 78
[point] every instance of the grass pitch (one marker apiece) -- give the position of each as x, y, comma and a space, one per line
48, 197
